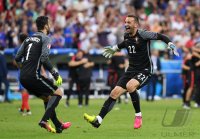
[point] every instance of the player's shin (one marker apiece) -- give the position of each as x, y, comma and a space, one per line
55, 120
23, 101
26, 101
136, 102
51, 105
53, 117
107, 106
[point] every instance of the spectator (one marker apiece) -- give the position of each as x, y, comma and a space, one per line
98, 18
12, 36
2, 36
52, 8
103, 34
68, 34
58, 41
60, 19
30, 8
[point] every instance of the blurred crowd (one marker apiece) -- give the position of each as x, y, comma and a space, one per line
93, 24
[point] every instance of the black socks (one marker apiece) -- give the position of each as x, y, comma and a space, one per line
50, 109
135, 101
53, 117
107, 106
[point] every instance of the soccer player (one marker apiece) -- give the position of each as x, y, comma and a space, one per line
137, 43
33, 53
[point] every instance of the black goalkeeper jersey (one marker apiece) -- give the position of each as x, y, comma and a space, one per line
33, 53
138, 48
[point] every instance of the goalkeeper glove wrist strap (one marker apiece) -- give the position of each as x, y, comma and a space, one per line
171, 45
55, 74
115, 48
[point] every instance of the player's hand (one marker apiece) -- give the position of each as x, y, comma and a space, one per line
108, 52
172, 47
57, 77
58, 82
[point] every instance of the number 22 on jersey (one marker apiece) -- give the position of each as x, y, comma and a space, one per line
131, 49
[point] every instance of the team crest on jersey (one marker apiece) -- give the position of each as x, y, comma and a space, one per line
136, 39
49, 46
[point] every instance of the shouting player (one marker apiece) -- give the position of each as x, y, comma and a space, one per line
137, 43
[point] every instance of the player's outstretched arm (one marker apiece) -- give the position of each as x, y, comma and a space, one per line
170, 45
108, 52
148, 35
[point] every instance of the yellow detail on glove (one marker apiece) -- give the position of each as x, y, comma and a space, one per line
58, 82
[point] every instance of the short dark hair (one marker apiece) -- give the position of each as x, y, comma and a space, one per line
22, 37
41, 21
135, 18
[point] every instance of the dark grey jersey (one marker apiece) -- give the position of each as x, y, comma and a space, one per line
138, 48
33, 53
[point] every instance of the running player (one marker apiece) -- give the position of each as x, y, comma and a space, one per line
137, 43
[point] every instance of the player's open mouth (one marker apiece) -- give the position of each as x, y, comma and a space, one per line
127, 28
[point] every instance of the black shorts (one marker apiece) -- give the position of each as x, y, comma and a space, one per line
141, 77
38, 86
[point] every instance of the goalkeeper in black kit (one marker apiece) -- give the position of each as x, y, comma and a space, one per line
137, 43
34, 53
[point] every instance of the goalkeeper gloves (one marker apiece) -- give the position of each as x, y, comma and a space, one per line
172, 47
58, 82
57, 77
108, 52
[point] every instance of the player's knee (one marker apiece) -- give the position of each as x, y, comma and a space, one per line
115, 93
132, 86
59, 92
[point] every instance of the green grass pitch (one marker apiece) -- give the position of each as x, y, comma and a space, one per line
118, 124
